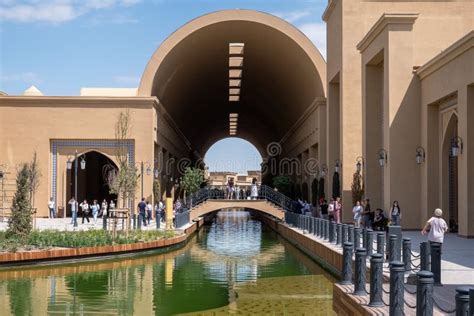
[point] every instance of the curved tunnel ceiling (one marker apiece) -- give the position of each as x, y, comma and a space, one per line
283, 74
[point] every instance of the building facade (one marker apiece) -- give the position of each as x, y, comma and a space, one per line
395, 95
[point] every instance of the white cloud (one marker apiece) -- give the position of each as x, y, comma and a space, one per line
316, 32
26, 77
54, 11
127, 80
293, 16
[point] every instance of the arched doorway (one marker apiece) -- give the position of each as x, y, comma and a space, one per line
91, 181
450, 175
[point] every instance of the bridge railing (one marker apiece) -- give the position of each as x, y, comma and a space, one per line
264, 192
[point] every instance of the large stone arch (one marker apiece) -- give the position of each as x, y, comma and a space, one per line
283, 75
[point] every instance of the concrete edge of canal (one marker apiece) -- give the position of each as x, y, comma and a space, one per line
74, 255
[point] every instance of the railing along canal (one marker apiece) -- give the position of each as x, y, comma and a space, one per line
362, 243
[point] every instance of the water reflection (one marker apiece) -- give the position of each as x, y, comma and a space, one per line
205, 274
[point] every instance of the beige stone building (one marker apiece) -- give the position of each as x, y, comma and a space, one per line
221, 178
395, 94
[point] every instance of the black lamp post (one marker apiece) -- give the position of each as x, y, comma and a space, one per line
69, 167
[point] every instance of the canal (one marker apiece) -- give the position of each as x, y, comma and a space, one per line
234, 265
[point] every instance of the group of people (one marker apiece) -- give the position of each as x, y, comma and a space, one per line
95, 209
363, 215
234, 192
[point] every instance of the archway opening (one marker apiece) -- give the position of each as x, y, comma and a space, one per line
233, 159
450, 175
91, 181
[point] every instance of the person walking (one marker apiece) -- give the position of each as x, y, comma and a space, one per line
357, 212
103, 208
254, 189
95, 211
51, 207
338, 210
230, 189
72, 202
111, 208
161, 211
395, 213
149, 210
141, 211
435, 227
85, 211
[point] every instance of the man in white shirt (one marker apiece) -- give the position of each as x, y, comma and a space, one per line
435, 227
51, 207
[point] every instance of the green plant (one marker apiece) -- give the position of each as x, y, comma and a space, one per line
283, 184
357, 187
191, 180
19, 225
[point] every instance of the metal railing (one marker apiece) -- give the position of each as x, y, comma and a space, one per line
359, 244
182, 218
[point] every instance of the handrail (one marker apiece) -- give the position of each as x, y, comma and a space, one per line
264, 192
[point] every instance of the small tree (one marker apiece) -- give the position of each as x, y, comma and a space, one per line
19, 224
124, 181
357, 187
191, 180
283, 184
34, 174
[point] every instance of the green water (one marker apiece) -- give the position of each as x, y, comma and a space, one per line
234, 266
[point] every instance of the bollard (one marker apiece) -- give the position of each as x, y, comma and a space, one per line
158, 220
380, 242
317, 227
325, 233
344, 234
140, 219
471, 299
376, 280
435, 249
462, 301
346, 277
332, 232
406, 248
339, 234
357, 232
425, 256
134, 220
104, 222
328, 225
369, 241
424, 293
350, 234
392, 255
364, 238
360, 269
397, 271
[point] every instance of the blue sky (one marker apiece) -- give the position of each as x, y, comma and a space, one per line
63, 45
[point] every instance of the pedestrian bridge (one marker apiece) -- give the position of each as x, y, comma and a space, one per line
208, 200
262, 205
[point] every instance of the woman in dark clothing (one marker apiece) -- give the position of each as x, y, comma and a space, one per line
380, 221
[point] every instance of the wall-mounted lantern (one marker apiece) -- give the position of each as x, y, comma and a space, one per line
420, 155
456, 146
383, 157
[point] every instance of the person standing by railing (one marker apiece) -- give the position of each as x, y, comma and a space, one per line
73, 204
254, 189
338, 210
323, 206
95, 211
51, 207
395, 213
357, 211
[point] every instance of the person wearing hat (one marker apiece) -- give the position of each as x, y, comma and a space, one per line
435, 227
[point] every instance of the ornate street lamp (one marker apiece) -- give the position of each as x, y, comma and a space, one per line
382, 157
324, 170
337, 165
359, 163
420, 155
456, 146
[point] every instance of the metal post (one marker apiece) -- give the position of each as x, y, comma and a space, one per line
158, 220
392, 255
332, 232
104, 222
339, 234
424, 293
360, 267
328, 225
139, 224
357, 237
425, 256
369, 241
376, 280
380, 242
346, 277
317, 227
134, 219
471, 299
435, 249
406, 243
350, 234
325, 232
344, 233
76, 198
397, 271
364, 238
462, 301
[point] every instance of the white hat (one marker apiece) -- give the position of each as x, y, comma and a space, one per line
438, 212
